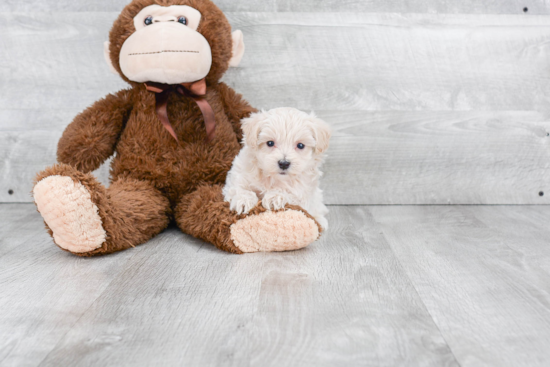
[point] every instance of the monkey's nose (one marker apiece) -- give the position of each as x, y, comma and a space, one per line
284, 164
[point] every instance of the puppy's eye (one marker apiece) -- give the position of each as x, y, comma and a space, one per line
148, 20
182, 20
271, 143
300, 146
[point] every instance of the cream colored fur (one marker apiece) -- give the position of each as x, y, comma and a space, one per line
68, 210
237, 50
256, 175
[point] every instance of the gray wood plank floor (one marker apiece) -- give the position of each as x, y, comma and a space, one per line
386, 286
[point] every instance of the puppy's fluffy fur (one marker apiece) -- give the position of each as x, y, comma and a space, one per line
273, 140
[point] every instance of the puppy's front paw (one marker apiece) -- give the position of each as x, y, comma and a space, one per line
274, 201
243, 202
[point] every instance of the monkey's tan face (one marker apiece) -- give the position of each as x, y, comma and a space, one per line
166, 47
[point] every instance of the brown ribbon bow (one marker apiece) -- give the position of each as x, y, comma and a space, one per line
195, 90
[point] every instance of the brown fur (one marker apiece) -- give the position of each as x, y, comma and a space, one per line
205, 215
213, 26
131, 211
151, 173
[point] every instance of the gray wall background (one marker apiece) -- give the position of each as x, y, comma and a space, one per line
432, 101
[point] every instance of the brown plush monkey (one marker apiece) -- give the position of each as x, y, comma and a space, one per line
173, 134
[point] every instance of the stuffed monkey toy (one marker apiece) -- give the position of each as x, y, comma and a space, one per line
173, 133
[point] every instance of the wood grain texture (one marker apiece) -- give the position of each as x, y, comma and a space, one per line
386, 286
483, 273
18, 224
438, 158
345, 301
44, 290
371, 6
386, 157
446, 69
347, 61
342, 61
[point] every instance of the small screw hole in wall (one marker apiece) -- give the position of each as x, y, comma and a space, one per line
541, 193
547, 134
10, 192
525, 10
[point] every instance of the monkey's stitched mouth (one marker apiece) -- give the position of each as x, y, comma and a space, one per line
161, 52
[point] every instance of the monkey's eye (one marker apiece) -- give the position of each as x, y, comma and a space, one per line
148, 20
182, 20
300, 146
271, 143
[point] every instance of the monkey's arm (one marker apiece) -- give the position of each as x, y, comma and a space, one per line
235, 107
92, 136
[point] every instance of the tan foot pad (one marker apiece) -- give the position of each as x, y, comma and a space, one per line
68, 210
274, 231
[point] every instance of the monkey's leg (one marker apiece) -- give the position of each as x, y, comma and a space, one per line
204, 214
87, 219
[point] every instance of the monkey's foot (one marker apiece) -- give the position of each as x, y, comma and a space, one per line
69, 212
274, 231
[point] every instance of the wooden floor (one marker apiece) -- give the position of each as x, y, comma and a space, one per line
386, 286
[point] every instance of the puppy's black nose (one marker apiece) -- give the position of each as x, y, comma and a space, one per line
284, 164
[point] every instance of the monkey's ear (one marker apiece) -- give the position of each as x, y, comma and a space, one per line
251, 128
237, 51
322, 133
107, 56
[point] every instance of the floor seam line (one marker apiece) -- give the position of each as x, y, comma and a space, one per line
416, 290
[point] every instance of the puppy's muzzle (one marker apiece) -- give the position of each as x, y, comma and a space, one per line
284, 164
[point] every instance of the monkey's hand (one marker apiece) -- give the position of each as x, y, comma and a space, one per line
92, 136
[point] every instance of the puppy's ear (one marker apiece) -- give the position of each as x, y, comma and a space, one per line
321, 133
251, 128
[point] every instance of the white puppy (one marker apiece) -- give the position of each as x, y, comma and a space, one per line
283, 150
